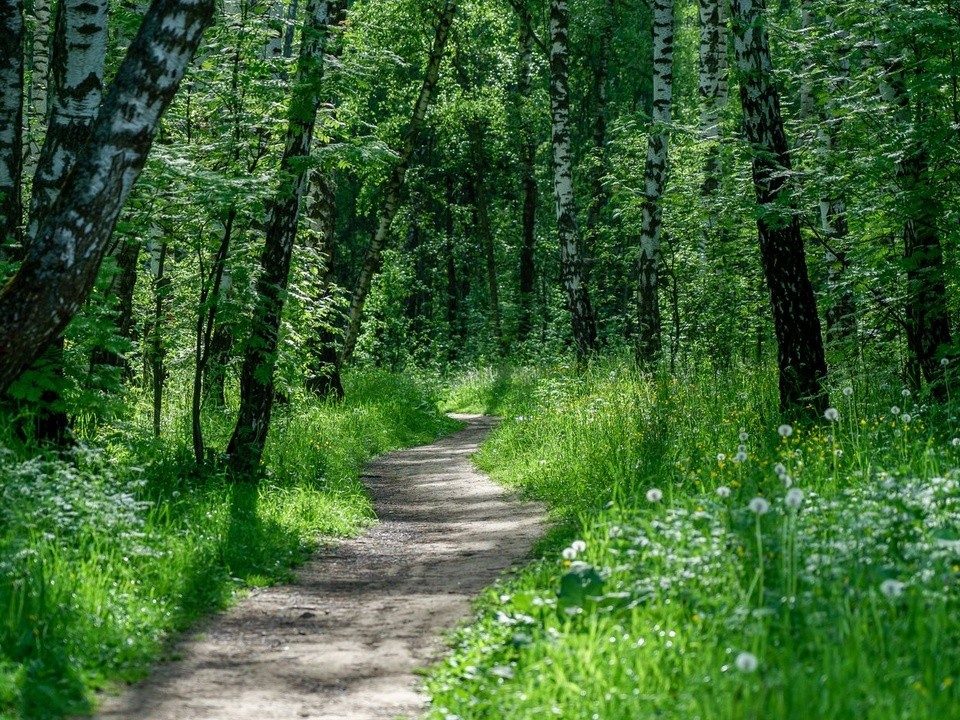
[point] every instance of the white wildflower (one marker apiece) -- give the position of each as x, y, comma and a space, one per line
740, 457
578, 545
785, 430
654, 495
892, 588
794, 498
759, 506
746, 662
848, 391
831, 414
894, 410
906, 417
723, 491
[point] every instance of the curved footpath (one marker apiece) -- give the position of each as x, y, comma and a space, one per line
342, 643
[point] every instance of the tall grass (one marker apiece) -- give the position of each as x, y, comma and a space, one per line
109, 551
717, 560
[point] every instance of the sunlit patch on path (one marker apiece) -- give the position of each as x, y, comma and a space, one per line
344, 641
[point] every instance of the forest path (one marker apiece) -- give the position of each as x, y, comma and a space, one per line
342, 643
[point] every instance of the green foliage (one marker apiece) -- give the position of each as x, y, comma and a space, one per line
713, 560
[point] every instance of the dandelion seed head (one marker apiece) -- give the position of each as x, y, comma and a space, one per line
578, 545
785, 430
786, 480
743, 435
794, 498
892, 588
905, 393
654, 495
955, 442
831, 414
944, 362
723, 491
906, 417
569, 553
848, 391
894, 410
741, 448
780, 469
721, 457
740, 457
759, 506
746, 662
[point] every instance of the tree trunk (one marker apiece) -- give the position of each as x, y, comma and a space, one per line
122, 287
206, 321
598, 167
528, 178
61, 263
571, 259
39, 110
713, 86
323, 373
156, 348
649, 325
256, 379
79, 51
371, 263
927, 321
800, 354
11, 120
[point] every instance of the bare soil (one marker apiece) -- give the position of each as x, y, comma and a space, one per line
344, 641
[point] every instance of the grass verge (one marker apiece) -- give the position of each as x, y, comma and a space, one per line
719, 560
107, 552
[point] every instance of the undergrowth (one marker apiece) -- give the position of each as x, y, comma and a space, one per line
109, 550
714, 559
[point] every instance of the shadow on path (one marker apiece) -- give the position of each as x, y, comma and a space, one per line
344, 641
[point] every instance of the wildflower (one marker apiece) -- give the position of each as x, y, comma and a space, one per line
721, 457
786, 480
569, 553
785, 431
793, 499
906, 417
741, 448
578, 545
894, 410
831, 414
944, 362
905, 393
955, 442
892, 588
746, 662
780, 469
759, 506
743, 435
723, 491
848, 391
654, 495
740, 457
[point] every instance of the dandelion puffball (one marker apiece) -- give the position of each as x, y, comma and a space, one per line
759, 506
785, 430
831, 414
654, 495
894, 410
746, 662
892, 588
723, 491
848, 391
578, 545
794, 498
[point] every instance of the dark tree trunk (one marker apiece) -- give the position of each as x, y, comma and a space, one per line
528, 179
61, 263
323, 373
800, 356
121, 287
572, 273
215, 372
206, 321
256, 379
371, 263
11, 122
156, 347
598, 168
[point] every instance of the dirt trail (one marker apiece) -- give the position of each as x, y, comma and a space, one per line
343, 642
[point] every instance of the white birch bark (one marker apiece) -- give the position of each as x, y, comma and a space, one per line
648, 305
38, 84
11, 118
571, 258
713, 86
79, 50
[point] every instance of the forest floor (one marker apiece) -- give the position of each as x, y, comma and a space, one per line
346, 639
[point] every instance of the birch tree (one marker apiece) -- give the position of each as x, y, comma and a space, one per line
713, 86
528, 176
648, 306
38, 82
394, 184
260, 357
571, 258
61, 263
11, 119
800, 356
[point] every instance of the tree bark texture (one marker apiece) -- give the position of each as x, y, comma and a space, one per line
528, 178
122, 287
260, 358
800, 353
39, 110
649, 324
60, 265
571, 257
391, 199
11, 120
713, 86
598, 168
156, 349
927, 321
76, 73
